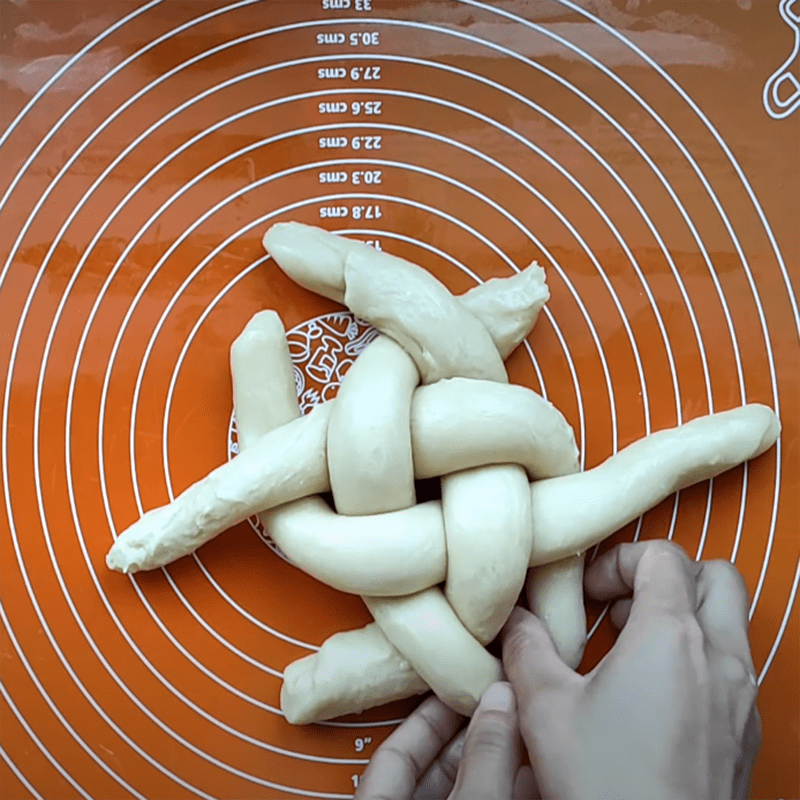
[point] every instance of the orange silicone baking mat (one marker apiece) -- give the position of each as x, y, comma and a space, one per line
645, 153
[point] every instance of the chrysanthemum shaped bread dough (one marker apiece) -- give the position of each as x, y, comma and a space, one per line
333, 681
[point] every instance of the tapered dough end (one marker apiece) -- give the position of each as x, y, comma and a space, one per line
264, 389
353, 671
765, 420
120, 559
604, 499
509, 307
267, 323
311, 256
720, 441
140, 547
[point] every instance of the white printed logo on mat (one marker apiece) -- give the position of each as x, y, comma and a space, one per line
782, 89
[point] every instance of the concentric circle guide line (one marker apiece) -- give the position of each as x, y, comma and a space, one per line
395, 22
638, 527
480, 41
712, 273
67, 65
713, 131
110, 74
19, 776
35, 739
220, 248
402, 165
196, 271
214, 253
784, 623
461, 35
707, 515
54, 708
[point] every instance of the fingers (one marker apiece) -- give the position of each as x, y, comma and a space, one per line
620, 612
492, 750
398, 764
751, 745
438, 781
722, 609
659, 573
534, 668
525, 785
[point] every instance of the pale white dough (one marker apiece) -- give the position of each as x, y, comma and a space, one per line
369, 438
315, 259
394, 553
481, 435
509, 307
445, 438
427, 632
357, 669
488, 530
488, 548
574, 512
560, 587
284, 465
462, 423
352, 671
257, 356
555, 596
416, 310
401, 613
310, 256
601, 504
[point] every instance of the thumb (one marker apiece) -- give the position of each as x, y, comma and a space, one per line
542, 682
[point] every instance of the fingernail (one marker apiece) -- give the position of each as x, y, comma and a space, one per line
498, 697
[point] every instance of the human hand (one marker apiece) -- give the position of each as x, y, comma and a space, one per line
670, 711
432, 756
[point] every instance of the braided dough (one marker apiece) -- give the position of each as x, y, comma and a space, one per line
487, 439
